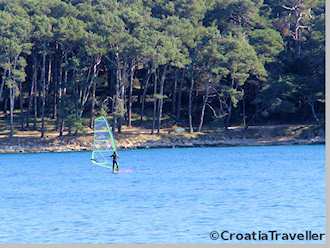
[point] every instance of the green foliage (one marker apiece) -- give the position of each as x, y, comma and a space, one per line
120, 109
235, 16
221, 44
14, 44
75, 124
268, 43
103, 111
242, 59
278, 97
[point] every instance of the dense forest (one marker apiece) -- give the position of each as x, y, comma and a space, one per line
148, 63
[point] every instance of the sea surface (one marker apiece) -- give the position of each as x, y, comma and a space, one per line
162, 195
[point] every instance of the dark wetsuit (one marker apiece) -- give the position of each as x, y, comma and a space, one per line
114, 161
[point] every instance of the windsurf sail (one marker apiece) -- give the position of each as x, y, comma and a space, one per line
104, 144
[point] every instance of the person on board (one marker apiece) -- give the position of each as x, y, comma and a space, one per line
114, 161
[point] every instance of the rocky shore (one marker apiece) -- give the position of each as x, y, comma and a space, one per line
170, 138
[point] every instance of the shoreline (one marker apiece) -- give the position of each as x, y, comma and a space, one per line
137, 139
21, 150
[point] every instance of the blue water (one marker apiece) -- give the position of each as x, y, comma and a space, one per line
172, 195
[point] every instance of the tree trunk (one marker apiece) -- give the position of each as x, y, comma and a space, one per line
60, 92
85, 93
312, 105
161, 100
5, 106
43, 78
190, 103
35, 106
227, 121
244, 112
178, 107
48, 83
174, 94
2, 83
35, 101
121, 102
55, 100
125, 81
49, 73
122, 107
155, 104
116, 97
21, 102
114, 104
130, 92
139, 96
91, 122
63, 90
56, 72
31, 97
144, 94
12, 103
203, 108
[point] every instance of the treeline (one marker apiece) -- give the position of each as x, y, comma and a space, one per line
194, 61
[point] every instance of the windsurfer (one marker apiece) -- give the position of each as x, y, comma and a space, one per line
114, 161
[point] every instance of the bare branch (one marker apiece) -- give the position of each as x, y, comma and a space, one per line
215, 113
288, 8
